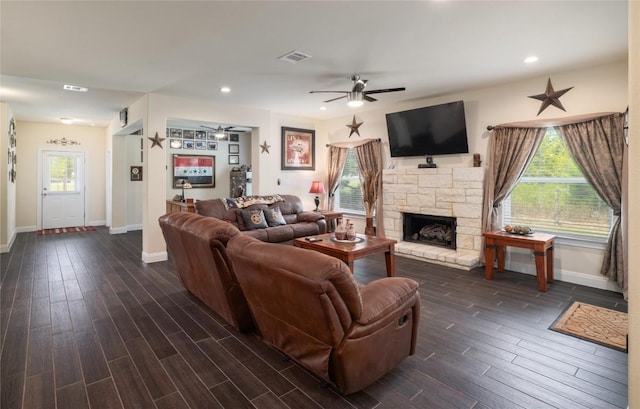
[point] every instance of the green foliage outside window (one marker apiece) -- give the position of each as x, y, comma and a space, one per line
350, 195
553, 196
62, 174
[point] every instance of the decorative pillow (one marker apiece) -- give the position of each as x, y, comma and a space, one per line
274, 216
254, 219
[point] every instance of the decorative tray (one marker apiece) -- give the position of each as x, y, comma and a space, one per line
517, 233
518, 230
356, 240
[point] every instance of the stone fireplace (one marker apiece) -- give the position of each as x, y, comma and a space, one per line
439, 192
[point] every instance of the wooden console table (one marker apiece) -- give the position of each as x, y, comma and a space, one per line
176, 206
540, 243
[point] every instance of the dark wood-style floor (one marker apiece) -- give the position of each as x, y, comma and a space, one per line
86, 324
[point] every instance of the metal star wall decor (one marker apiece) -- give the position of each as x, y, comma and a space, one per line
264, 147
550, 97
156, 140
354, 127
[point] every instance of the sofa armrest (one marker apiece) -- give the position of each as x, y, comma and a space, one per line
383, 296
310, 216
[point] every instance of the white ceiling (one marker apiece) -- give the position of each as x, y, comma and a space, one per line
122, 50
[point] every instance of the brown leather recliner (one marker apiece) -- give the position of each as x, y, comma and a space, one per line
309, 306
197, 245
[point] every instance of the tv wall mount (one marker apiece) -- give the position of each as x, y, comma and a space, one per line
429, 163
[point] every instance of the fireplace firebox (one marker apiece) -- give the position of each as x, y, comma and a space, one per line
429, 229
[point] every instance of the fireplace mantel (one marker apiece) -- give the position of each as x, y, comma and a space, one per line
451, 192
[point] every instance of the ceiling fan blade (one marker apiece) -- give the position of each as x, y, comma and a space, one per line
339, 92
379, 91
368, 98
335, 99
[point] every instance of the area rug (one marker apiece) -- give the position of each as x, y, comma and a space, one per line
596, 324
65, 230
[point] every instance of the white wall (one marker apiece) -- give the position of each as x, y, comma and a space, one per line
33, 136
633, 263
596, 89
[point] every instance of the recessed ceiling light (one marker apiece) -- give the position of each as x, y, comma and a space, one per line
225, 89
530, 59
66, 121
323, 108
75, 88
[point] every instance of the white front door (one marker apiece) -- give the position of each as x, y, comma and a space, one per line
62, 189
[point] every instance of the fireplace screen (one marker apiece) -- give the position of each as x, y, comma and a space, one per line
432, 230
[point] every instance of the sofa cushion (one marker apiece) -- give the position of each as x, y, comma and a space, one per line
274, 216
305, 229
254, 219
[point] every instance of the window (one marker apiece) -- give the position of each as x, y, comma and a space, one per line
553, 196
349, 195
62, 174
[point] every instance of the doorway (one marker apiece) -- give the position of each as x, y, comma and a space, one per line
62, 189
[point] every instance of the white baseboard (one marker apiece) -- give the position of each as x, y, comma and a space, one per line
117, 230
5, 248
96, 223
154, 257
26, 229
588, 280
134, 227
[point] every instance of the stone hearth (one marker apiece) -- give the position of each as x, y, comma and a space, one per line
452, 192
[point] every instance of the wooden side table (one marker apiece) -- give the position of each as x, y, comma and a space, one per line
331, 215
175, 206
540, 243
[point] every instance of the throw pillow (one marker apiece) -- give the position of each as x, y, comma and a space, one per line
274, 216
254, 219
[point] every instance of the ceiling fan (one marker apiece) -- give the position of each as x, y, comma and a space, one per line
358, 95
219, 131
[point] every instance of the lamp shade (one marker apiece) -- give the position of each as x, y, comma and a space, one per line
317, 187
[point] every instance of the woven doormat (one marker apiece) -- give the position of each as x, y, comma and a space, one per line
596, 324
65, 230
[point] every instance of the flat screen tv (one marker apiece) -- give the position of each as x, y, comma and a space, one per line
433, 130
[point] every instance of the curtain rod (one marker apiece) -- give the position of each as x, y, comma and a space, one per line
378, 140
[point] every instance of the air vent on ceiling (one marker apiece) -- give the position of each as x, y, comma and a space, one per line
294, 57
75, 88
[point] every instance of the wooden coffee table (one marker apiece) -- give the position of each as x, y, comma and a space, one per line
349, 252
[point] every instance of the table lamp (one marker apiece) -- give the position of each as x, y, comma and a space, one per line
185, 185
317, 187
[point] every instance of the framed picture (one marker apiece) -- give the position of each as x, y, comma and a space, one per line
175, 143
234, 148
298, 149
211, 135
234, 159
201, 144
188, 144
198, 170
234, 137
188, 133
175, 133
212, 146
201, 134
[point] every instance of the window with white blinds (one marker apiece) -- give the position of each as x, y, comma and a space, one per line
554, 197
349, 195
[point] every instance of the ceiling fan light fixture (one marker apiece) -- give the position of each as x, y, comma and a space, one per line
355, 99
219, 132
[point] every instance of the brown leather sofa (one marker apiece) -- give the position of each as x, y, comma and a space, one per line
197, 245
298, 223
309, 306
